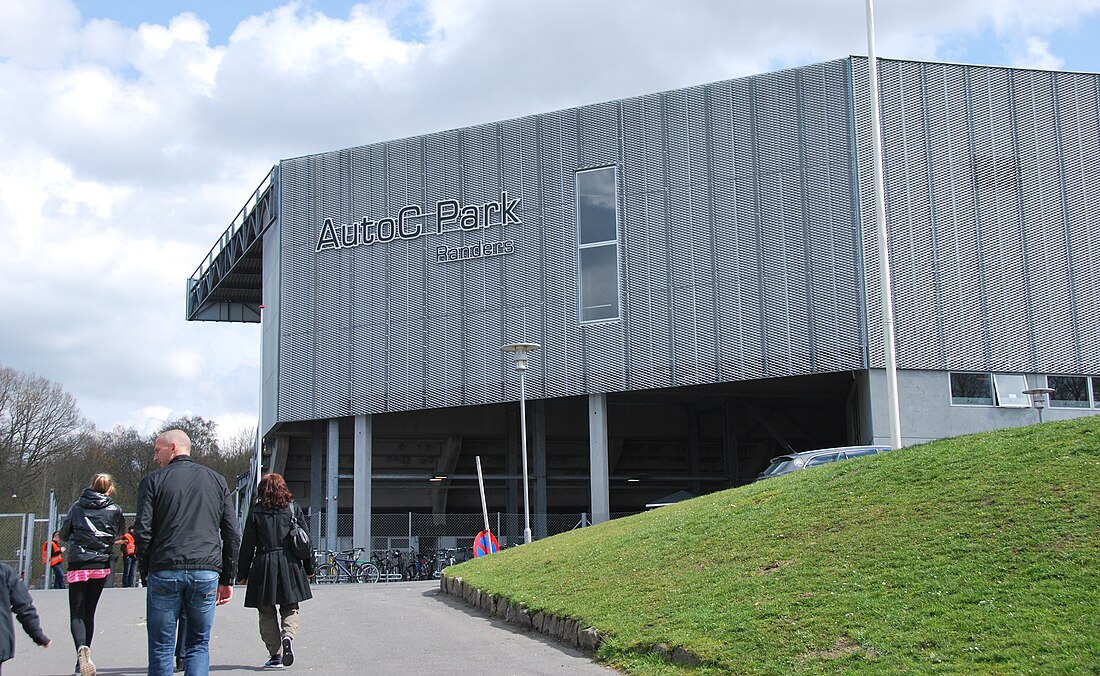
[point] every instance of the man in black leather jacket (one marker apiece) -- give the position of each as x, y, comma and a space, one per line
186, 536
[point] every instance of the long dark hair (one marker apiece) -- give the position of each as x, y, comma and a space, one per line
273, 492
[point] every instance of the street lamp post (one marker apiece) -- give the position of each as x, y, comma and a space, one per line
1039, 396
520, 352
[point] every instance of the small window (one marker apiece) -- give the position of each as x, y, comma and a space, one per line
971, 389
822, 459
1010, 391
1096, 392
862, 452
1069, 391
598, 244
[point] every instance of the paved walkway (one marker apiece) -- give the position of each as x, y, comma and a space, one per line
390, 628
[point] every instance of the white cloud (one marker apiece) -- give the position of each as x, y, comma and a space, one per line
1035, 53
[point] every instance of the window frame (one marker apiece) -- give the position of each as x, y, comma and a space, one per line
583, 246
1006, 392
1092, 393
951, 389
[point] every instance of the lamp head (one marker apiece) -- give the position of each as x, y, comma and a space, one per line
520, 352
1039, 396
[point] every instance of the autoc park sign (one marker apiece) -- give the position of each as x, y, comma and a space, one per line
408, 224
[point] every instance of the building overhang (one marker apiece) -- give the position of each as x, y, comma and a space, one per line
228, 285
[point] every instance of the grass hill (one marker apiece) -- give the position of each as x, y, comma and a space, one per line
977, 554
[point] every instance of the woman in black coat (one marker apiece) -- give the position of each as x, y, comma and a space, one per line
274, 574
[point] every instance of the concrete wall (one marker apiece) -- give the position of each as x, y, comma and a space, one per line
927, 413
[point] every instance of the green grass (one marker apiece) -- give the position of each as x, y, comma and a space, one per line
977, 554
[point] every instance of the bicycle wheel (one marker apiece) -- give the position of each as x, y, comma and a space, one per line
327, 574
367, 572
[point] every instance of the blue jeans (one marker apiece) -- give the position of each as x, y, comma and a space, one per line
58, 576
176, 594
129, 567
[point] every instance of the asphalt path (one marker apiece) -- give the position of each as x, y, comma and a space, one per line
386, 628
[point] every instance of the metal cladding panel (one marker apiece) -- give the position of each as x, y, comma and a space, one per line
736, 252
991, 176
645, 264
1078, 112
296, 354
370, 376
333, 374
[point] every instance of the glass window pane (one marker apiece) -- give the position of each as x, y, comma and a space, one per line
596, 206
1069, 391
822, 459
599, 283
1010, 391
973, 389
1096, 392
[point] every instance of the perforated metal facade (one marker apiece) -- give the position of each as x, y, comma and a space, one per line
993, 192
743, 207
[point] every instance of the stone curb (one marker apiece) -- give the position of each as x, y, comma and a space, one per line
562, 629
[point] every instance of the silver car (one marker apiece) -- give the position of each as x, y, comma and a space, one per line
786, 464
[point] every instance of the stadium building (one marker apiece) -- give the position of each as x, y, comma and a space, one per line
700, 270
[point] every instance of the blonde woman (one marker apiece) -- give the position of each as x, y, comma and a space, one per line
91, 527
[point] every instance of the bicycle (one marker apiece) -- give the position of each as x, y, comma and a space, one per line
368, 572
339, 568
416, 567
389, 564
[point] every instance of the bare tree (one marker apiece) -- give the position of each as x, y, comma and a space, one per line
129, 457
233, 460
39, 421
203, 433
70, 473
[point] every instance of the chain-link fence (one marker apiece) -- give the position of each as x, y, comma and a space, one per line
23, 535
21, 538
413, 532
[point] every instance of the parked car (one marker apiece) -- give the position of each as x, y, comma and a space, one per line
785, 464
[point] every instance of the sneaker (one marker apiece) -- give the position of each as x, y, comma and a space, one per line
288, 651
84, 661
275, 662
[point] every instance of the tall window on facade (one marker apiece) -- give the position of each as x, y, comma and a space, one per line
598, 244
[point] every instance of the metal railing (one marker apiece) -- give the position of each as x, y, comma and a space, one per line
234, 226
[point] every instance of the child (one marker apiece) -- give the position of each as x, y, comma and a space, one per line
14, 598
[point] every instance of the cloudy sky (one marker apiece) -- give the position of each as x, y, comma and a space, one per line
132, 131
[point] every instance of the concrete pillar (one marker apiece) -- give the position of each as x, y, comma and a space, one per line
513, 505
730, 450
316, 477
280, 449
332, 484
691, 416
361, 503
538, 449
597, 452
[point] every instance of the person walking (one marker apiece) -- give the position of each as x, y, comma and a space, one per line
186, 536
129, 557
90, 528
275, 576
15, 599
53, 556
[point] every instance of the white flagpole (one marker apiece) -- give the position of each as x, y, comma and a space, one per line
885, 276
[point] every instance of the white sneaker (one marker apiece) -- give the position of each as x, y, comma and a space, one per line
84, 661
